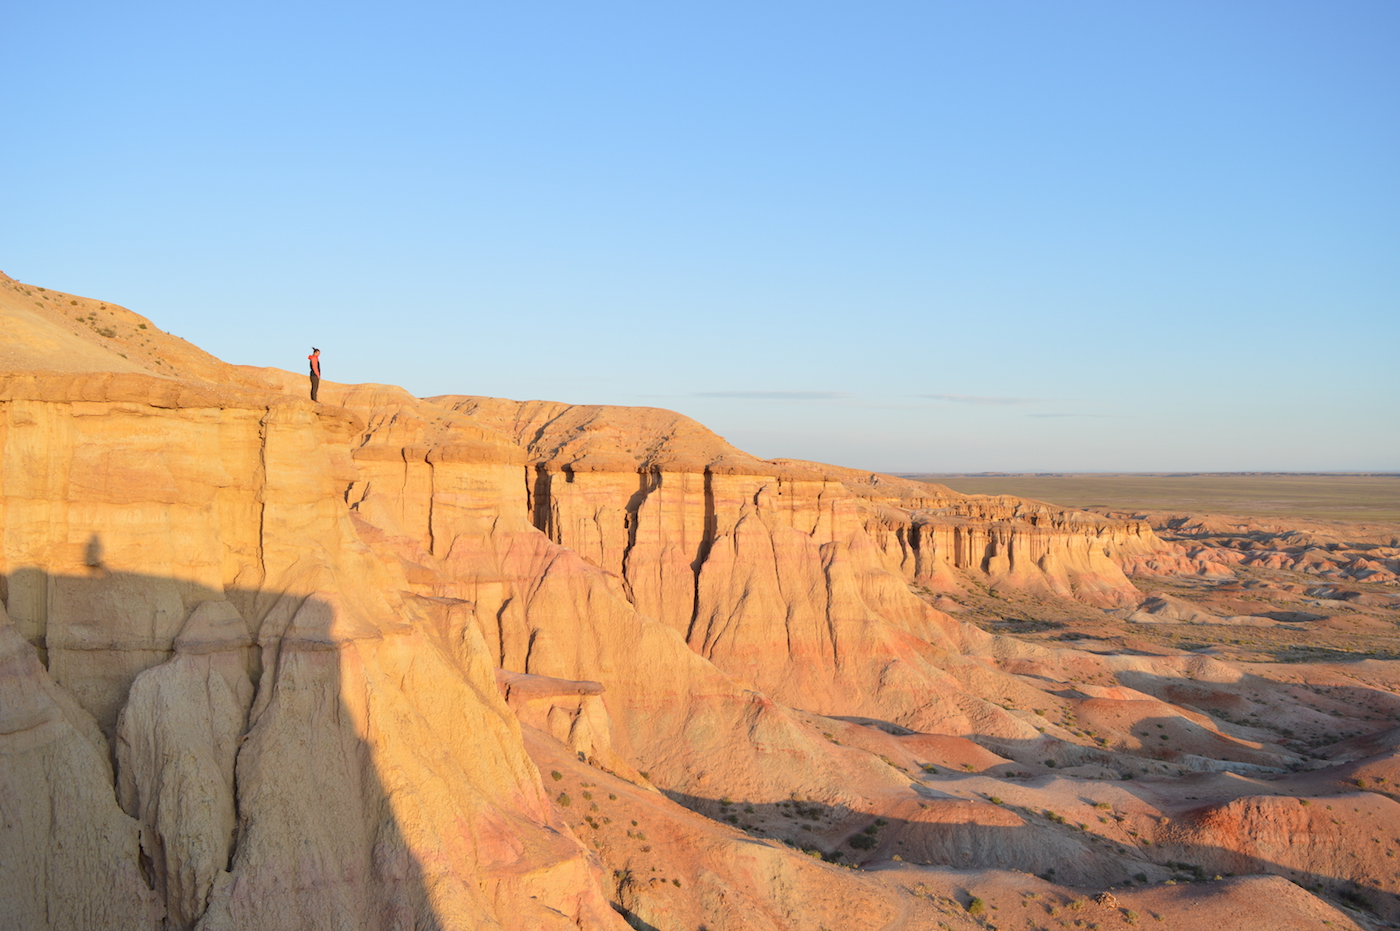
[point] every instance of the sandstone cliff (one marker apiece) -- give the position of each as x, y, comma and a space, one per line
274, 664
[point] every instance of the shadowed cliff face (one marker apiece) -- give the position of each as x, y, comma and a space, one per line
268, 663
294, 769
244, 720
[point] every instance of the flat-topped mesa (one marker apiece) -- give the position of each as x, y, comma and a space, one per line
644, 493
932, 534
792, 577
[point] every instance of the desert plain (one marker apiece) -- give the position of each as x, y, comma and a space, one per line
466, 662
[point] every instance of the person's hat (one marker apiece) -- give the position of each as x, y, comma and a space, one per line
314, 349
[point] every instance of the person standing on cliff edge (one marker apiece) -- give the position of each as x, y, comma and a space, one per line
315, 359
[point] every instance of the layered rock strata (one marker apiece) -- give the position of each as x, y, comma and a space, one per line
274, 664
181, 562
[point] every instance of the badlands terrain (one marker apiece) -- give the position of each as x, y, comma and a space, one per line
464, 662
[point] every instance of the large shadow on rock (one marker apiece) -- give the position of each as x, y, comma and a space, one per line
180, 757
255, 800
940, 831
957, 833
1298, 718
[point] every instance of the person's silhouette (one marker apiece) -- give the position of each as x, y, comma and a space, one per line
315, 359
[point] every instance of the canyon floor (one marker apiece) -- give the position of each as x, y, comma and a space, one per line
466, 662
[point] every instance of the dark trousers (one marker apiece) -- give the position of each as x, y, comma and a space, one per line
315, 385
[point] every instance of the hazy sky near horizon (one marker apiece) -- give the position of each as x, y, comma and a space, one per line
902, 236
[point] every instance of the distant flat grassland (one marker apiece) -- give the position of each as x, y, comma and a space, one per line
1321, 496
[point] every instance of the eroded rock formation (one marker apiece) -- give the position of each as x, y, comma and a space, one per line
375, 663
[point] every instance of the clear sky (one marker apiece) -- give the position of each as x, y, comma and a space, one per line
901, 236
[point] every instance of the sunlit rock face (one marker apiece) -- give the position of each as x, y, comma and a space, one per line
385, 662
299, 740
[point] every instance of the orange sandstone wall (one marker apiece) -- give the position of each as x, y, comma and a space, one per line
187, 595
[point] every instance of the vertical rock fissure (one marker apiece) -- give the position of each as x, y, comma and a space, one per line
702, 552
828, 556
237, 811
785, 597
647, 482
989, 552
41, 615
539, 515
501, 632
432, 502
260, 489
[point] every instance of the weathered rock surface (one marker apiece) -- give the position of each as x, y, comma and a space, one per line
274, 664
68, 852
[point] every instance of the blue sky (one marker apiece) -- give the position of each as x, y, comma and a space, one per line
900, 236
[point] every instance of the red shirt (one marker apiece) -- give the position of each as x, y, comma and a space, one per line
315, 358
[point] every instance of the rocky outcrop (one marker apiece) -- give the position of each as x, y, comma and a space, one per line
544, 610
275, 664
70, 854
182, 560
794, 577
609, 482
